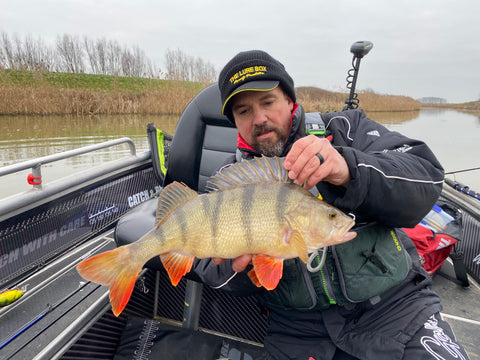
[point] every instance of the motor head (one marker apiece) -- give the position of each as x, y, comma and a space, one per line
361, 48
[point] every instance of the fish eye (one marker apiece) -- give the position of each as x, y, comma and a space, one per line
332, 214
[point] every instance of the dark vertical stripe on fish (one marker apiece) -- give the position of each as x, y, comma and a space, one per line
282, 202
182, 224
247, 206
160, 234
212, 213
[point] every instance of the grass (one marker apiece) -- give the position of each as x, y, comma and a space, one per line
50, 93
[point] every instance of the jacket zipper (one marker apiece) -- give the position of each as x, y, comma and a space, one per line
326, 284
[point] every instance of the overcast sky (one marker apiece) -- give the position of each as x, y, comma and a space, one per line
421, 47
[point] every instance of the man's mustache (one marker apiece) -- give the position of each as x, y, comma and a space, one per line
263, 129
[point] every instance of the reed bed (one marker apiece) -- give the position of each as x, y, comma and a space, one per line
314, 99
35, 93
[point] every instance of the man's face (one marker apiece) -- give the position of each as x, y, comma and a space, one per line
263, 119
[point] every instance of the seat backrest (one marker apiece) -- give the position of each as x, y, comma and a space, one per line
203, 140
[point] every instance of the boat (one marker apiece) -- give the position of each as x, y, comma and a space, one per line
53, 313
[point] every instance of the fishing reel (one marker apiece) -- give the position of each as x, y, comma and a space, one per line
359, 49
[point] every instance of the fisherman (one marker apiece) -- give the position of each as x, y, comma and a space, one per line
370, 298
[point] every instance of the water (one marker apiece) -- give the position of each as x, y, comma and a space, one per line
453, 136
27, 137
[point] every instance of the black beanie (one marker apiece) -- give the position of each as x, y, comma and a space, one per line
253, 70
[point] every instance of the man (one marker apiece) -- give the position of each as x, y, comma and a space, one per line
370, 299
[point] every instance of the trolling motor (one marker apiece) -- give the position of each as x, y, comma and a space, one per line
359, 49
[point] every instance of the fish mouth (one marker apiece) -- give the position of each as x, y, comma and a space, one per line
346, 234
350, 235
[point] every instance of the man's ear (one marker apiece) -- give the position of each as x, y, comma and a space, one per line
291, 103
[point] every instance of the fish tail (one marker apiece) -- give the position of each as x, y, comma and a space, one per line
115, 268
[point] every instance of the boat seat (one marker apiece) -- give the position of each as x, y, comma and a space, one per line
203, 141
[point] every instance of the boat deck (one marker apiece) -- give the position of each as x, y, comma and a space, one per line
57, 303
461, 309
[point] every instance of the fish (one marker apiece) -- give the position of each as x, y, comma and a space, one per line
251, 207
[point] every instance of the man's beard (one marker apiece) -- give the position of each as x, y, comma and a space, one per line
269, 147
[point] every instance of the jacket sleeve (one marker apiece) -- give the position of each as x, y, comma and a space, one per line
223, 277
394, 179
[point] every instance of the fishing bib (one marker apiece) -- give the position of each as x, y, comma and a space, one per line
355, 271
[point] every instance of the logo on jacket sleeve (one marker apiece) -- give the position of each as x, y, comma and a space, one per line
373, 133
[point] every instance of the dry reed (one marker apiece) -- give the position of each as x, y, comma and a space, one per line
315, 99
36, 93
54, 101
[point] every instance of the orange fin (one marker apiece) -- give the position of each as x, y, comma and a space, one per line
176, 265
113, 268
171, 197
253, 276
268, 270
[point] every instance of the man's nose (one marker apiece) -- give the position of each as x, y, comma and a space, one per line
259, 117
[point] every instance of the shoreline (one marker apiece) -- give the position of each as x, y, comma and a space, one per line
44, 93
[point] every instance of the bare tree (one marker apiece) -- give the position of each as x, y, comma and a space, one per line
180, 66
113, 57
8, 52
203, 71
71, 54
91, 51
5, 50
133, 62
36, 55
100, 56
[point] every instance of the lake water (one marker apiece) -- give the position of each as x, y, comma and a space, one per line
453, 136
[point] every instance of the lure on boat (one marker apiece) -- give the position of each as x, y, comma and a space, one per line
10, 296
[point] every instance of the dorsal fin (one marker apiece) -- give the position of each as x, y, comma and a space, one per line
171, 197
254, 171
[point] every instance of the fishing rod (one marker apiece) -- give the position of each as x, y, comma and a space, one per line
463, 188
359, 49
44, 313
459, 171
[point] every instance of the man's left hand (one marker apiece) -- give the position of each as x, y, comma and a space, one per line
304, 166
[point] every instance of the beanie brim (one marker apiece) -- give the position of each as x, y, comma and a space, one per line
262, 85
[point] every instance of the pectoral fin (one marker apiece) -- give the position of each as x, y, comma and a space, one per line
299, 244
176, 265
268, 270
295, 239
